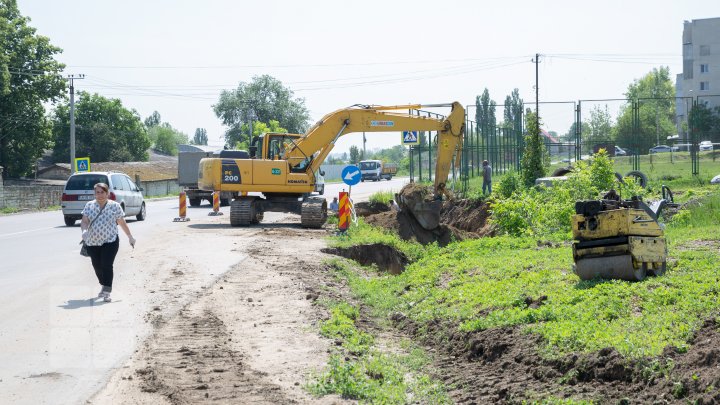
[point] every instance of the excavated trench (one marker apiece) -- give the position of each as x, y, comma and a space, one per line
385, 257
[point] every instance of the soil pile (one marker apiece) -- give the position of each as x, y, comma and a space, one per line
458, 219
467, 215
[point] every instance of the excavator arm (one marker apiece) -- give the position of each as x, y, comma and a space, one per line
310, 151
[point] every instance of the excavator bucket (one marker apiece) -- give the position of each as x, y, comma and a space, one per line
419, 202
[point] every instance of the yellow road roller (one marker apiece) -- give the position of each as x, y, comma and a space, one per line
619, 239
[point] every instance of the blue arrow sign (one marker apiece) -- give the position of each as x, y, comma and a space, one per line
351, 175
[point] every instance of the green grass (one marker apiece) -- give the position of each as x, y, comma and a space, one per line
382, 197
358, 370
9, 210
484, 283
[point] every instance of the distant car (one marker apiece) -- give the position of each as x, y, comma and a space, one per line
79, 190
620, 151
706, 145
661, 149
715, 180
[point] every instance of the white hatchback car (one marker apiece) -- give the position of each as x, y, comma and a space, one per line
79, 190
706, 145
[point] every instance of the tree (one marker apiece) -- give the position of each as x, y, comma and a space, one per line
705, 123
598, 129
355, 155
153, 120
165, 138
485, 113
513, 111
263, 99
535, 155
570, 136
165, 141
104, 130
29, 78
655, 94
200, 137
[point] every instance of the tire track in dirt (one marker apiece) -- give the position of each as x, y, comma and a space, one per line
191, 360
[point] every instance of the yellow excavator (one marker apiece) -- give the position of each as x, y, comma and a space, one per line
283, 167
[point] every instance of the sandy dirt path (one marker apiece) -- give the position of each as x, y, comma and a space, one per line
250, 337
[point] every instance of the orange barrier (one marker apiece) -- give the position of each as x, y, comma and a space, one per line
343, 212
216, 204
182, 208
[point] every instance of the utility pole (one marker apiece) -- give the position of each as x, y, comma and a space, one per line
364, 140
537, 95
72, 79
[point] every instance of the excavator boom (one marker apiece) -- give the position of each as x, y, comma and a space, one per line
312, 149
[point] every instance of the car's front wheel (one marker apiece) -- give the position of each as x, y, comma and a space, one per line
142, 214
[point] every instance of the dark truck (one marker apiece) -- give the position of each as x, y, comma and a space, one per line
188, 163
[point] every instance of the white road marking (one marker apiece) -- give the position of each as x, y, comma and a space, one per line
28, 231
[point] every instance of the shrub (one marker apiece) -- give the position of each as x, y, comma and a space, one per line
509, 184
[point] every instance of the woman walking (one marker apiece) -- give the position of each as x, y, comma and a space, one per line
101, 217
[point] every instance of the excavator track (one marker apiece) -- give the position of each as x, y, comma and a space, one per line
242, 211
259, 215
313, 213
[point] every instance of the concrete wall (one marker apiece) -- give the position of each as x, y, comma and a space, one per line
43, 196
30, 197
332, 172
160, 187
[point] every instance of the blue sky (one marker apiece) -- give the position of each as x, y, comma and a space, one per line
176, 56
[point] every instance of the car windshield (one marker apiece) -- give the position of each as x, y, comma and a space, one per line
85, 181
367, 165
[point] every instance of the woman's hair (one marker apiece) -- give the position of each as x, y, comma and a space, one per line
103, 186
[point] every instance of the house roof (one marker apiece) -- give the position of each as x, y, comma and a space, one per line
148, 171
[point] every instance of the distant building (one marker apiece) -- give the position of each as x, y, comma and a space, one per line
198, 148
700, 78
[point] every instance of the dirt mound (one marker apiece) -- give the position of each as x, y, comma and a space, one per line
467, 215
385, 257
364, 209
502, 366
458, 219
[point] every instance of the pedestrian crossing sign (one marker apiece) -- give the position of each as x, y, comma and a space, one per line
410, 138
82, 164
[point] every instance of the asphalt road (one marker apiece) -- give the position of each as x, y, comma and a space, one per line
59, 345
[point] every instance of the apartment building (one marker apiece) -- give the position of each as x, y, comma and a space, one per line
700, 78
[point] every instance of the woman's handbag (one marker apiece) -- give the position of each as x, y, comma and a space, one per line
83, 248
